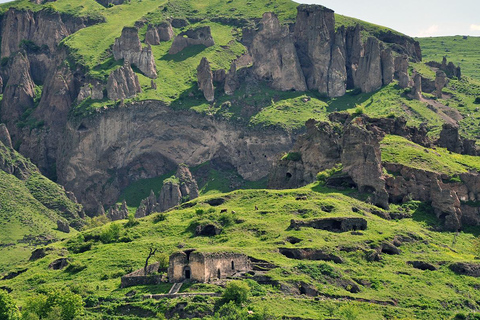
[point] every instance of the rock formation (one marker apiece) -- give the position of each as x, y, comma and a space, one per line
117, 212
362, 161
129, 48
368, 76
192, 37
231, 80
388, 66
337, 72
19, 91
450, 138
180, 188
93, 91
417, 87
440, 83
205, 80
107, 3
401, 71
5, 136
63, 226
274, 56
123, 83
355, 50
158, 33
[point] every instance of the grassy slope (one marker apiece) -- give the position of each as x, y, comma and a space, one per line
460, 51
260, 233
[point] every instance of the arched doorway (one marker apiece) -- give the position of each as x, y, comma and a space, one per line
187, 273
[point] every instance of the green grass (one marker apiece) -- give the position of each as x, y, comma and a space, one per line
399, 150
460, 51
420, 294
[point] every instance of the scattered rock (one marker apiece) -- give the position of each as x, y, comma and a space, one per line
307, 289
309, 254
107, 3
422, 265
13, 274
466, 268
192, 37
205, 80
389, 248
341, 224
39, 253
63, 226
208, 230
293, 240
59, 264
123, 83
129, 48
215, 202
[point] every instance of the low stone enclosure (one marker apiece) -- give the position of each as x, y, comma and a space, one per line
138, 277
203, 266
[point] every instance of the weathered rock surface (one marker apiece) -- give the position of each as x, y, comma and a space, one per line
355, 50
388, 66
337, 72
417, 87
59, 264
231, 80
192, 37
466, 268
63, 226
401, 44
156, 140
422, 265
19, 91
123, 83
440, 83
368, 76
340, 224
401, 71
205, 80
129, 48
147, 206
274, 56
159, 33
117, 212
107, 3
208, 230
93, 91
450, 138
314, 37
5, 136
309, 254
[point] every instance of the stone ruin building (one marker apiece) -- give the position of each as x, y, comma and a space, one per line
204, 267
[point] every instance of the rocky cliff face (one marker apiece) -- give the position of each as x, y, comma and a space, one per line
129, 48
113, 148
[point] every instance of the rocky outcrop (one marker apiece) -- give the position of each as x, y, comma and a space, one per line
159, 33
129, 48
192, 37
451, 139
440, 83
93, 91
123, 83
368, 76
205, 80
338, 224
43, 28
355, 50
5, 136
401, 71
470, 269
314, 37
63, 226
401, 44
231, 80
362, 161
388, 66
309, 254
180, 188
274, 56
103, 155
417, 87
337, 72
19, 91
107, 3
117, 212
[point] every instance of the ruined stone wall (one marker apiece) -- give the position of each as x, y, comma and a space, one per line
223, 262
175, 269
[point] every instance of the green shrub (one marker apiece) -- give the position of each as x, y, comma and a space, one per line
131, 220
359, 110
477, 100
110, 234
78, 244
256, 289
292, 156
56, 304
159, 217
8, 308
323, 176
317, 272
236, 291
231, 311
75, 266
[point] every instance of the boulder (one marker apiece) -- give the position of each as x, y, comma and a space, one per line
440, 83
450, 138
422, 265
205, 80
93, 91
129, 48
309, 254
107, 3
388, 66
401, 71
117, 212
192, 37
466, 268
63, 226
368, 76
274, 56
314, 38
446, 206
231, 80
208, 230
417, 86
340, 224
123, 83
59, 264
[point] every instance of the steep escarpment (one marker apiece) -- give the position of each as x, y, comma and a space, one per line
111, 149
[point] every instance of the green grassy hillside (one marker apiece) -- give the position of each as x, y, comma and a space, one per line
389, 288
463, 51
